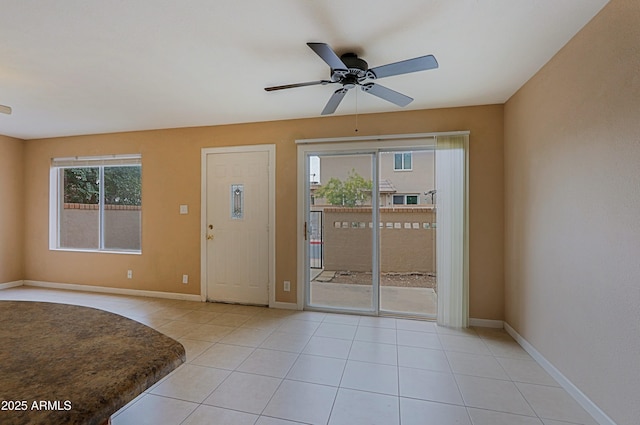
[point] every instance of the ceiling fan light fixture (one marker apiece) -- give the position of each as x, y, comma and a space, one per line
357, 66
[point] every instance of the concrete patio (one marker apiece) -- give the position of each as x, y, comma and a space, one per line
393, 299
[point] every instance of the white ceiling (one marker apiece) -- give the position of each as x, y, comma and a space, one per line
83, 66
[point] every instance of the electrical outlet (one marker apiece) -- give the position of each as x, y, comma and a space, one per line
129, 274
185, 278
287, 286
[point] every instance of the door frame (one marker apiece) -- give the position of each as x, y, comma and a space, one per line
350, 144
271, 150
344, 149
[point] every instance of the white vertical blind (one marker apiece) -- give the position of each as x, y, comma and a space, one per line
451, 233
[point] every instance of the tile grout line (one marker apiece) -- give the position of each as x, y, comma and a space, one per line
335, 398
112, 304
513, 382
398, 373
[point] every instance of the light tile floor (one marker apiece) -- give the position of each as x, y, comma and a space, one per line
260, 366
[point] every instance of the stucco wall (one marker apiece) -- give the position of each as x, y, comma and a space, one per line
11, 209
419, 180
572, 189
171, 176
407, 239
80, 228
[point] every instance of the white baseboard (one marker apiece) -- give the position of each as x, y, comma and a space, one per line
578, 395
124, 291
117, 291
8, 285
486, 323
284, 306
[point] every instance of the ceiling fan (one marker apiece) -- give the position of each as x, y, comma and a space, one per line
350, 71
5, 109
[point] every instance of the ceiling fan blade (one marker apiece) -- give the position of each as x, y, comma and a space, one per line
423, 63
291, 86
387, 94
5, 109
329, 56
334, 101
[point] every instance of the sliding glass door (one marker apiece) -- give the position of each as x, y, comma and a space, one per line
370, 231
407, 232
340, 236
385, 226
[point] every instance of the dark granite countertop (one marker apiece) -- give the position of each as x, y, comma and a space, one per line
75, 365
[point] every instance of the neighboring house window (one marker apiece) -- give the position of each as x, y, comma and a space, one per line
96, 203
405, 199
402, 161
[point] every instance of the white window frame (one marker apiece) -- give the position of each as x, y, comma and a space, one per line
56, 199
403, 168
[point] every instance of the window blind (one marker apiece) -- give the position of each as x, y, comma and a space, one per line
96, 161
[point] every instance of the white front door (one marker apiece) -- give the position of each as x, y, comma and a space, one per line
237, 227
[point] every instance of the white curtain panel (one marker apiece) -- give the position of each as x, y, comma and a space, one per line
451, 232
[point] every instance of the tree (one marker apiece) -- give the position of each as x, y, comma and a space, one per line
349, 193
81, 185
122, 185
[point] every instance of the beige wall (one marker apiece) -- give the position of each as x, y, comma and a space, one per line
80, 228
419, 180
11, 209
339, 167
407, 239
171, 176
572, 203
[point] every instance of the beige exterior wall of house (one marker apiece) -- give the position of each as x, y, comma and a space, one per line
171, 176
11, 209
419, 180
339, 166
572, 190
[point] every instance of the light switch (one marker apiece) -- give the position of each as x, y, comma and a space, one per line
184, 209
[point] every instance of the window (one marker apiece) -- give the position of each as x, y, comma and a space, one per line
402, 161
405, 199
96, 203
